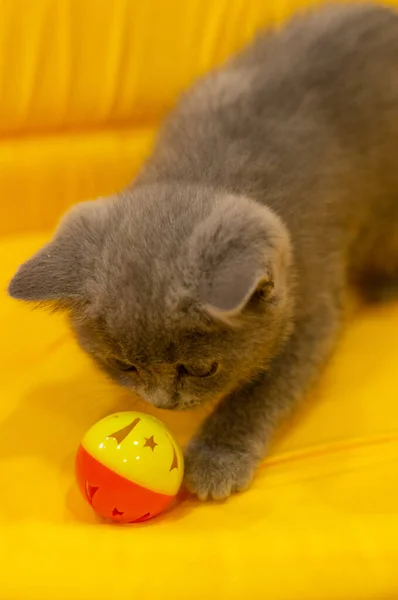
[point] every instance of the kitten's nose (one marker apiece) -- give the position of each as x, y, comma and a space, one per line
173, 404
162, 399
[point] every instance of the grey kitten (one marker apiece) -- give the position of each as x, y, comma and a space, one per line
222, 271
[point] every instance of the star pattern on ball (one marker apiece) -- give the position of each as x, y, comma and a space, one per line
91, 490
174, 464
121, 434
150, 443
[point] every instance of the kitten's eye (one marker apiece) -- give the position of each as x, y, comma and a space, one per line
122, 365
197, 371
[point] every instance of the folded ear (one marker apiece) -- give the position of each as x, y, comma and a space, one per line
60, 269
244, 251
234, 281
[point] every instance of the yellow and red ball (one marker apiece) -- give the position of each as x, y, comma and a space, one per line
128, 467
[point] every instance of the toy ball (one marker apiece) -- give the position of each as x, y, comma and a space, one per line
129, 467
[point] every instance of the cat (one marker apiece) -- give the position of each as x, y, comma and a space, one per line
222, 272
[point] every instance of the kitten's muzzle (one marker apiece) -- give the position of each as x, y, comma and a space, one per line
161, 399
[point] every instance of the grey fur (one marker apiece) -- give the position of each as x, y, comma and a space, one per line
272, 188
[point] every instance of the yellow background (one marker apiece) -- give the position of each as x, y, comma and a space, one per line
83, 85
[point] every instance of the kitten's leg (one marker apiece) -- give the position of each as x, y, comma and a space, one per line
222, 457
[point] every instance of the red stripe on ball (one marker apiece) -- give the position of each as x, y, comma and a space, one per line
115, 497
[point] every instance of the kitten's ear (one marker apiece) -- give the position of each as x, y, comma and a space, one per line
60, 269
244, 252
234, 282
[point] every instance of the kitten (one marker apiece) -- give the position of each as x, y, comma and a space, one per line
222, 271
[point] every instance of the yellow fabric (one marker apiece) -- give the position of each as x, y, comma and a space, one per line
83, 84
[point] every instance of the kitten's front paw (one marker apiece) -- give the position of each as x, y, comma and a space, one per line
213, 471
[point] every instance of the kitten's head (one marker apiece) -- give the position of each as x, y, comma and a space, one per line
178, 293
